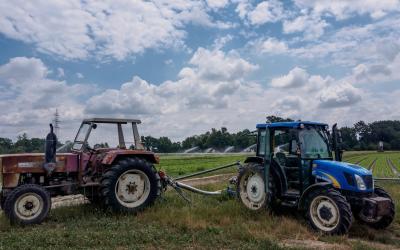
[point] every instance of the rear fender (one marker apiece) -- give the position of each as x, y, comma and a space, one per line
114, 155
316, 186
254, 159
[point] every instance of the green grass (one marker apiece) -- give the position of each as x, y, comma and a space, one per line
209, 223
176, 165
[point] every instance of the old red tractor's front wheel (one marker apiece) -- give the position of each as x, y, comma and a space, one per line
131, 185
27, 204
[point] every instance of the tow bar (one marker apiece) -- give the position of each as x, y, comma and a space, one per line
178, 186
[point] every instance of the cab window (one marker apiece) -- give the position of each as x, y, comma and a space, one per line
262, 142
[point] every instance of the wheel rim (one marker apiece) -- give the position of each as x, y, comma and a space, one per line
252, 191
28, 206
324, 213
132, 188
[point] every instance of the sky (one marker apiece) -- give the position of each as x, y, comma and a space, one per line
183, 67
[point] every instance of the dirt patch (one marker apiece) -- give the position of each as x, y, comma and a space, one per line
375, 245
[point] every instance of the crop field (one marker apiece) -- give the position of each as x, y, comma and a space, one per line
382, 164
208, 223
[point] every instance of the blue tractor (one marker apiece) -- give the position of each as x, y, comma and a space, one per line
299, 164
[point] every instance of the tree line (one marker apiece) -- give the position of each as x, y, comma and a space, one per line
360, 136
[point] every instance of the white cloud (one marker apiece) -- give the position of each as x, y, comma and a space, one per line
30, 97
376, 43
78, 30
310, 93
269, 11
134, 97
339, 95
297, 77
212, 77
216, 4
80, 75
216, 65
376, 73
60, 72
266, 11
312, 27
273, 46
220, 42
343, 9
192, 104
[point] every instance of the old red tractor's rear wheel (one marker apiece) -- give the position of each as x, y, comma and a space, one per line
130, 185
27, 204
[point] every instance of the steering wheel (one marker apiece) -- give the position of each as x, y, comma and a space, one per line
91, 150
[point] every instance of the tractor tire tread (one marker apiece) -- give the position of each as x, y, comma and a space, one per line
110, 177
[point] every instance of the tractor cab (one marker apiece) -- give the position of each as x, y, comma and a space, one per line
290, 148
85, 134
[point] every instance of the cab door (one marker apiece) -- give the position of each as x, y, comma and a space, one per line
264, 151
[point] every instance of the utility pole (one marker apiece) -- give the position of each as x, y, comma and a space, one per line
56, 122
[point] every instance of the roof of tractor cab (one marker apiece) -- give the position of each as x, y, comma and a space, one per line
111, 120
289, 124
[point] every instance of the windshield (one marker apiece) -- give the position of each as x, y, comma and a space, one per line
81, 136
314, 143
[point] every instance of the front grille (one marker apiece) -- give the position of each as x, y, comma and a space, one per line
349, 179
368, 180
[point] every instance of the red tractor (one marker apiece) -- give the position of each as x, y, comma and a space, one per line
120, 179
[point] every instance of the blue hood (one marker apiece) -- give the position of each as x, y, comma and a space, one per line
341, 174
344, 166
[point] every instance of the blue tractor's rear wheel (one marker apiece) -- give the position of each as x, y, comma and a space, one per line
250, 187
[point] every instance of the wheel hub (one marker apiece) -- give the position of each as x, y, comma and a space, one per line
255, 186
29, 205
325, 213
131, 188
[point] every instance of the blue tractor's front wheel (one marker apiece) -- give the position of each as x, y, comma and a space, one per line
328, 211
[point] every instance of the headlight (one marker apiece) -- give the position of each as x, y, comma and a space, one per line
360, 182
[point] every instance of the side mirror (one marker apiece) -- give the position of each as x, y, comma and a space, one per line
94, 126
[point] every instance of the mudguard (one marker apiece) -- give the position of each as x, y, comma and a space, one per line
112, 156
311, 188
